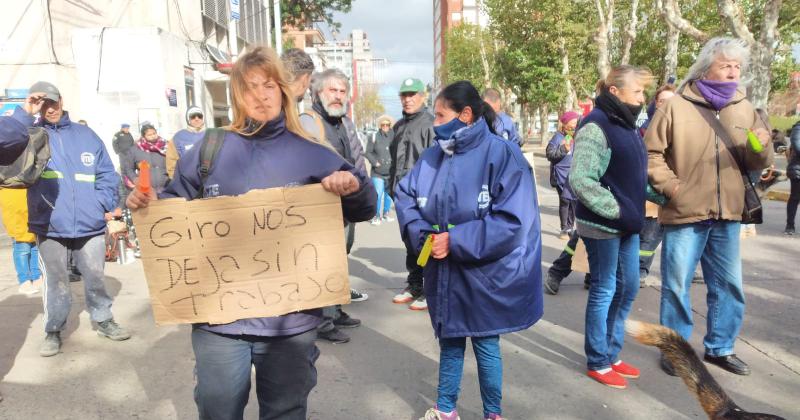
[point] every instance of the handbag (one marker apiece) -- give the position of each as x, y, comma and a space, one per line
752, 212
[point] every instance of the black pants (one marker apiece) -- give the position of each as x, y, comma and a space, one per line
562, 266
414, 273
649, 239
791, 205
566, 211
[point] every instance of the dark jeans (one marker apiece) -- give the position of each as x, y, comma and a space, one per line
649, 239
566, 211
285, 374
791, 205
562, 266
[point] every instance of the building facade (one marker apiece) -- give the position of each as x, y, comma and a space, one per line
447, 14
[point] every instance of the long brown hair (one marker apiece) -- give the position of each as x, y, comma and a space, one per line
262, 58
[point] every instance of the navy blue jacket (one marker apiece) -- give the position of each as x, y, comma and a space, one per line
484, 196
793, 166
625, 177
185, 139
78, 185
560, 162
273, 157
505, 128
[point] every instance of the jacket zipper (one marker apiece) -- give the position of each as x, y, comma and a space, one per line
719, 188
72, 184
443, 222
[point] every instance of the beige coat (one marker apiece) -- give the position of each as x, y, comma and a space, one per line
685, 153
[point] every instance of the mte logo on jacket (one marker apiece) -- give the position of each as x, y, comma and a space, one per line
87, 159
484, 199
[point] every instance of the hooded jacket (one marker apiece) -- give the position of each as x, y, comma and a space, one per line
560, 161
412, 135
484, 195
78, 185
685, 152
378, 153
505, 128
272, 157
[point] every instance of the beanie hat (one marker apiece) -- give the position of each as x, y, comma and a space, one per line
192, 111
568, 116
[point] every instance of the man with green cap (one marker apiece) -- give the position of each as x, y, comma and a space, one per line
412, 135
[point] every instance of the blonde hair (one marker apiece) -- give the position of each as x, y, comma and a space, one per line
264, 59
618, 76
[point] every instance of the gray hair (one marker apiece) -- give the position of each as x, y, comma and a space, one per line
730, 48
297, 62
320, 80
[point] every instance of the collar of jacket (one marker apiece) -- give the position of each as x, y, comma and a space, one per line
689, 92
471, 136
271, 130
63, 122
409, 117
319, 109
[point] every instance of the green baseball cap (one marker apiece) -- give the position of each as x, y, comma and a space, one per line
412, 85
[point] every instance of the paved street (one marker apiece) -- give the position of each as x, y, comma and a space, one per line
389, 369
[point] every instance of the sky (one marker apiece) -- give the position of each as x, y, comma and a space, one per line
401, 32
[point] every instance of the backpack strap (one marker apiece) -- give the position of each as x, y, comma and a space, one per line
212, 142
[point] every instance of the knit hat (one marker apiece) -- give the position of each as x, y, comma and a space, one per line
568, 116
193, 111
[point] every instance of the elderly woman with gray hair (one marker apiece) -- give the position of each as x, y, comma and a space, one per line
696, 143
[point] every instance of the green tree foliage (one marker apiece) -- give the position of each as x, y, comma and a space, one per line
463, 59
301, 13
368, 107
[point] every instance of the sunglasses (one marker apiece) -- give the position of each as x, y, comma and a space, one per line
193, 116
385, 125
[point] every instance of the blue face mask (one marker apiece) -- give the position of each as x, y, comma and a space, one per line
446, 130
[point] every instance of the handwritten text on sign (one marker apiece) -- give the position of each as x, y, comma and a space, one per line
264, 253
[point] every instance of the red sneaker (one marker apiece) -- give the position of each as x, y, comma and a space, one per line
610, 378
625, 370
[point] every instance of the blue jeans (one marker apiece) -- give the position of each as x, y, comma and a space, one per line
384, 200
614, 264
716, 246
26, 261
490, 372
285, 374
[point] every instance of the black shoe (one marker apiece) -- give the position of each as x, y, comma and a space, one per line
789, 231
587, 281
697, 277
356, 296
346, 321
74, 278
551, 284
666, 366
731, 363
334, 336
51, 345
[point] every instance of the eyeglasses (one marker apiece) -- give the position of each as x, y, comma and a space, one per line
193, 116
385, 125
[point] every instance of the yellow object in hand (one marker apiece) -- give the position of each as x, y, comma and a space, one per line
425, 253
755, 143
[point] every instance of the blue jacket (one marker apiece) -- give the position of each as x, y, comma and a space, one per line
560, 162
505, 128
793, 166
78, 185
484, 196
273, 157
185, 139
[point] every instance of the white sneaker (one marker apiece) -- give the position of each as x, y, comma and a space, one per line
388, 219
419, 304
28, 288
403, 297
434, 414
375, 221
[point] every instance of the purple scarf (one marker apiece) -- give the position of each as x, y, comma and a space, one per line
717, 93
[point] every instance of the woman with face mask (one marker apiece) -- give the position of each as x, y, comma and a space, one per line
152, 149
609, 176
470, 205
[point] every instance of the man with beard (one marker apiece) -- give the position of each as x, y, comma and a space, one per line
327, 122
412, 135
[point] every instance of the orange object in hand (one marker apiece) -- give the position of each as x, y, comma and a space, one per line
143, 184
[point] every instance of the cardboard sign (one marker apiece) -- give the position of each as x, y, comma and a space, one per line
261, 254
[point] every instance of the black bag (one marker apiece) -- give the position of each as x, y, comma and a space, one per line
28, 167
752, 213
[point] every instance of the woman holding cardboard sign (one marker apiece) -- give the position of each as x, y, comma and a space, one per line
264, 147
470, 206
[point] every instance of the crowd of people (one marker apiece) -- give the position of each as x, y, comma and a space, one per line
465, 201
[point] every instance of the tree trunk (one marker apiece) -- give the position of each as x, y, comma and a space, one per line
603, 36
762, 51
571, 100
630, 33
543, 122
671, 57
672, 14
487, 80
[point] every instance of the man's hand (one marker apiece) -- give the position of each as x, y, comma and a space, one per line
139, 200
33, 104
341, 183
763, 135
441, 245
